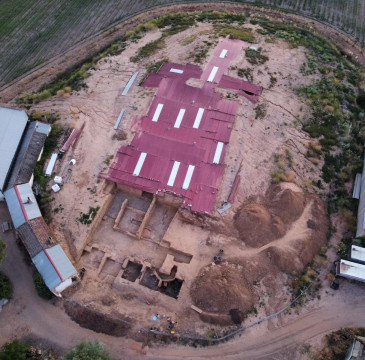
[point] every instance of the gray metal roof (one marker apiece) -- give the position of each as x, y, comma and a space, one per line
42, 128
12, 125
20, 208
54, 268
28, 154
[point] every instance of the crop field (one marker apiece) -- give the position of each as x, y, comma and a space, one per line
34, 31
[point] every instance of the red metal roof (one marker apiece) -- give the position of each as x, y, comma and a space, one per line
190, 140
71, 139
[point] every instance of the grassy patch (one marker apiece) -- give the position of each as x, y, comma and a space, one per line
149, 49
255, 57
89, 217
260, 111
238, 33
245, 73
200, 53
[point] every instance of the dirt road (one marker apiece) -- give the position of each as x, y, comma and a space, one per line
29, 316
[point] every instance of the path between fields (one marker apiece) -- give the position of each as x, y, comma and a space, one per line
27, 315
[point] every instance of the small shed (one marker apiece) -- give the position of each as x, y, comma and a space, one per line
22, 204
56, 268
350, 270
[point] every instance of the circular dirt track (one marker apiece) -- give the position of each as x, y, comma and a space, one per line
229, 288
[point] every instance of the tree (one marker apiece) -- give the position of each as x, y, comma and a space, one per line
88, 350
2, 251
14, 351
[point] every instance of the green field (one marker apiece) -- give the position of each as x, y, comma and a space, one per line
34, 31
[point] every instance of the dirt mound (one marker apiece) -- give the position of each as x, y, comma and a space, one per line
286, 204
302, 250
263, 219
220, 288
257, 226
95, 320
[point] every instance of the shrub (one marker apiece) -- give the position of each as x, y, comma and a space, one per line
360, 100
238, 33
255, 57
41, 287
149, 49
2, 251
89, 351
6, 289
14, 351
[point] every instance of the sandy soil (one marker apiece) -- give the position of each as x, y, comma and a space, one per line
258, 139
44, 324
250, 154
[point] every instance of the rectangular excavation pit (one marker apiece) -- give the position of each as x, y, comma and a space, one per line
93, 258
111, 267
159, 221
140, 203
150, 280
132, 272
131, 220
172, 288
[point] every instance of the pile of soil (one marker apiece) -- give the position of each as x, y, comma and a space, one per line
220, 288
261, 220
231, 287
95, 320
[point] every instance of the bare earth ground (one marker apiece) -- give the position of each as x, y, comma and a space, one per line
30, 317
250, 153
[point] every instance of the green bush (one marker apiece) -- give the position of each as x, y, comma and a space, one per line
88, 217
149, 49
238, 33
255, 57
14, 351
88, 351
2, 251
41, 287
360, 100
6, 289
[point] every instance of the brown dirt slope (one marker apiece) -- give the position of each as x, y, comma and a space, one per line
289, 226
219, 288
261, 220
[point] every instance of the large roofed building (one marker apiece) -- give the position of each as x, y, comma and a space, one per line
29, 153
12, 125
21, 146
179, 148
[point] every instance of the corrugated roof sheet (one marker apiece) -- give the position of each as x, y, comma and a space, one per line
20, 208
54, 266
357, 253
28, 154
35, 236
12, 125
352, 270
166, 136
